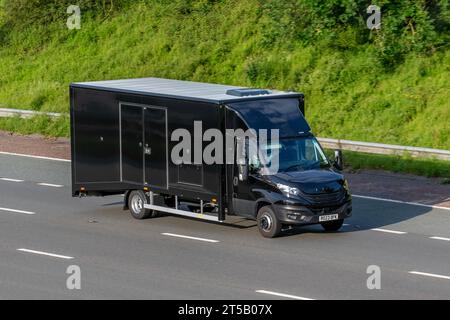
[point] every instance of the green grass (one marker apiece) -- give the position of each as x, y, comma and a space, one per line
42, 125
400, 164
352, 89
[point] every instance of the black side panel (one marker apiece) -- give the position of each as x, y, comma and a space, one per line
190, 174
97, 142
156, 147
132, 144
193, 176
95, 137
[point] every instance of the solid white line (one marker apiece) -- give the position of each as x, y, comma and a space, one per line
284, 295
430, 275
188, 237
402, 202
50, 185
389, 231
440, 238
11, 180
17, 211
46, 254
34, 157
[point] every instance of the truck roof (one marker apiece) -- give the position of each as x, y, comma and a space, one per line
187, 90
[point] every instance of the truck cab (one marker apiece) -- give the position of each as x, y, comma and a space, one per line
307, 187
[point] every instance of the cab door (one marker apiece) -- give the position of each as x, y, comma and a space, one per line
240, 195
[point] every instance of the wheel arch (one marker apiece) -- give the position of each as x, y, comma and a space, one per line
259, 204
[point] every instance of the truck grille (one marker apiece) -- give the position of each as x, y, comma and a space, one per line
325, 199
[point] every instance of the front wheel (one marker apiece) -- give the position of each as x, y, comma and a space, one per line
333, 225
268, 224
136, 202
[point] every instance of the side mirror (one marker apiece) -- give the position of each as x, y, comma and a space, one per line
338, 160
243, 172
253, 169
243, 168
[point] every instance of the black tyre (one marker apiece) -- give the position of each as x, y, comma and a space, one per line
136, 201
333, 225
268, 224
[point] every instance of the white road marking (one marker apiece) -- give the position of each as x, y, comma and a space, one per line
34, 157
440, 238
429, 275
188, 237
46, 254
50, 185
402, 202
11, 180
17, 211
284, 295
389, 231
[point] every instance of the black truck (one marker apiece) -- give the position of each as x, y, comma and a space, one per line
122, 142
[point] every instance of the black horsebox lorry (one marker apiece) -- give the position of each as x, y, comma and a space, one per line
122, 142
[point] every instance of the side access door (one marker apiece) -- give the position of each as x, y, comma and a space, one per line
144, 154
156, 147
131, 144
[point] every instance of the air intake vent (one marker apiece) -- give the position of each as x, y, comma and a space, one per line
325, 199
247, 92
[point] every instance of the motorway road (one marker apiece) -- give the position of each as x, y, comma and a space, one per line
122, 258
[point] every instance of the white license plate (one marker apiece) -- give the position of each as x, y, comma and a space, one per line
328, 217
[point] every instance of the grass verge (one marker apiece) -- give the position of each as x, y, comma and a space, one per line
41, 124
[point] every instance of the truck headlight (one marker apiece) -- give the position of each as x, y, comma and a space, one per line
288, 190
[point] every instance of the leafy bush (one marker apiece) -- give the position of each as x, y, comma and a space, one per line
406, 26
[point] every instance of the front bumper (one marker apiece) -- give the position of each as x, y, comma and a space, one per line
299, 215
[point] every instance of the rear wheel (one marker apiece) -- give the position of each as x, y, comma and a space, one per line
333, 225
136, 202
268, 224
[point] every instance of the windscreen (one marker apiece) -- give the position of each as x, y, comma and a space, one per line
282, 114
302, 153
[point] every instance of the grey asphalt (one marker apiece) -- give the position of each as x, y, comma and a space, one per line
122, 258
